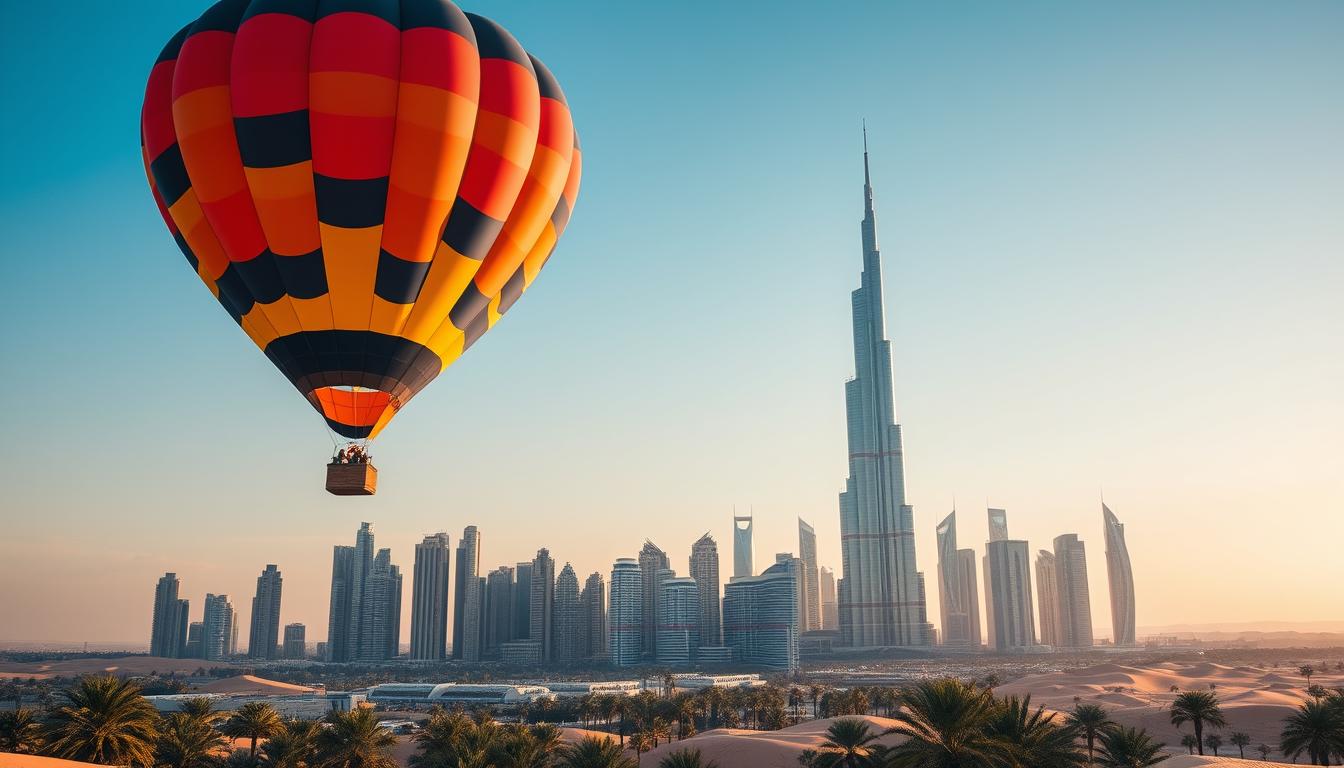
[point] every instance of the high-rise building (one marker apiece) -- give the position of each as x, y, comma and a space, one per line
351, 609
1120, 576
956, 597
499, 604
264, 637
541, 616
568, 630
360, 606
467, 597
168, 630
217, 634
1008, 603
1047, 598
807, 551
296, 642
969, 567
380, 610
651, 561
795, 566
338, 618
760, 617
705, 570
879, 595
625, 620
593, 617
522, 601
743, 553
678, 621
195, 638
830, 608
1075, 604
429, 598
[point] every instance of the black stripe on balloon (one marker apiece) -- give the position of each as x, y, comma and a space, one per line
170, 174
272, 141
312, 359
546, 82
346, 430
494, 42
233, 293
470, 304
470, 232
186, 250
223, 16
512, 290
261, 277
398, 280
387, 10
174, 45
560, 216
304, 276
475, 330
437, 14
350, 203
304, 9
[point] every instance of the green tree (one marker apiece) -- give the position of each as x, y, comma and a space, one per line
1199, 708
686, 758
1189, 742
1128, 748
1316, 729
1089, 720
945, 724
594, 752
850, 743
254, 720
354, 739
187, 740
104, 720
1213, 741
1033, 737
294, 747
1240, 741
441, 740
1264, 750
519, 747
19, 731
1306, 670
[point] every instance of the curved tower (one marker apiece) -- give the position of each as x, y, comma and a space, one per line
1121, 578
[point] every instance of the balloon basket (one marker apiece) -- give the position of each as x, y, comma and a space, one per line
352, 479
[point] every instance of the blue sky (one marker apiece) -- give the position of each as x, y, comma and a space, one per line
1113, 243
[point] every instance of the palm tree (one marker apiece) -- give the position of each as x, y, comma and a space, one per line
202, 709
1264, 750
594, 752
104, 720
814, 692
1316, 728
254, 720
519, 749
1128, 748
1189, 742
294, 747
1240, 741
1199, 708
1034, 739
686, 758
1213, 741
850, 743
1306, 670
945, 724
1089, 720
20, 731
187, 740
640, 742
354, 739
438, 743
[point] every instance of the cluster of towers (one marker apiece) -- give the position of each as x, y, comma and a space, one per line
215, 636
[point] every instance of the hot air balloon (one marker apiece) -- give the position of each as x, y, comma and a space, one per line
366, 186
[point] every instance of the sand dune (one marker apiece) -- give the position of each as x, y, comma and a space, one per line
731, 747
1195, 761
121, 666
251, 684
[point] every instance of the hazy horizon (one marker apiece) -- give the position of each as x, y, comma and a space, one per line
1113, 264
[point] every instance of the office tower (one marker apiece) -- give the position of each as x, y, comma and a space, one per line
760, 617
264, 637
567, 629
830, 608
195, 636
743, 553
217, 634
678, 621
957, 597
807, 551
705, 570
429, 598
498, 609
1008, 604
651, 561
1047, 598
542, 612
625, 620
1120, 576
232, 648
1075, 604
350, 571
338, 620
168, 630
467, 596
360, 607
522, 601
593, 617
381, 610
296, 641
795, 566
879, 595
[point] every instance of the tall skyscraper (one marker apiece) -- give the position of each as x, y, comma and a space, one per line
651, 561
956, 597
1075, 604
760, 617
830, 608
522, 601
467, 597
542, 613
879, 595
968, 565
705, 570
1008, 603
795, 566
625, 620
1120, 576
351, 609
380, 610
360, 607
807, 551
593, 617
195, 638
168, 631
217, 634
499, 608
1047, 598
264, 637
429, 599
567, 628
678, 621
743, 553
296, 641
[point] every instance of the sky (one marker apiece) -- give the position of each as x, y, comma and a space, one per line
1114, 255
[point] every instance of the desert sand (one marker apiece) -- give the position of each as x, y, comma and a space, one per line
121, 666
251, 684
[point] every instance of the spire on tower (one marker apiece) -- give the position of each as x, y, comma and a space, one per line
867, 182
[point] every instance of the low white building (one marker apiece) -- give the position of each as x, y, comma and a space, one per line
448, 694
303, 706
